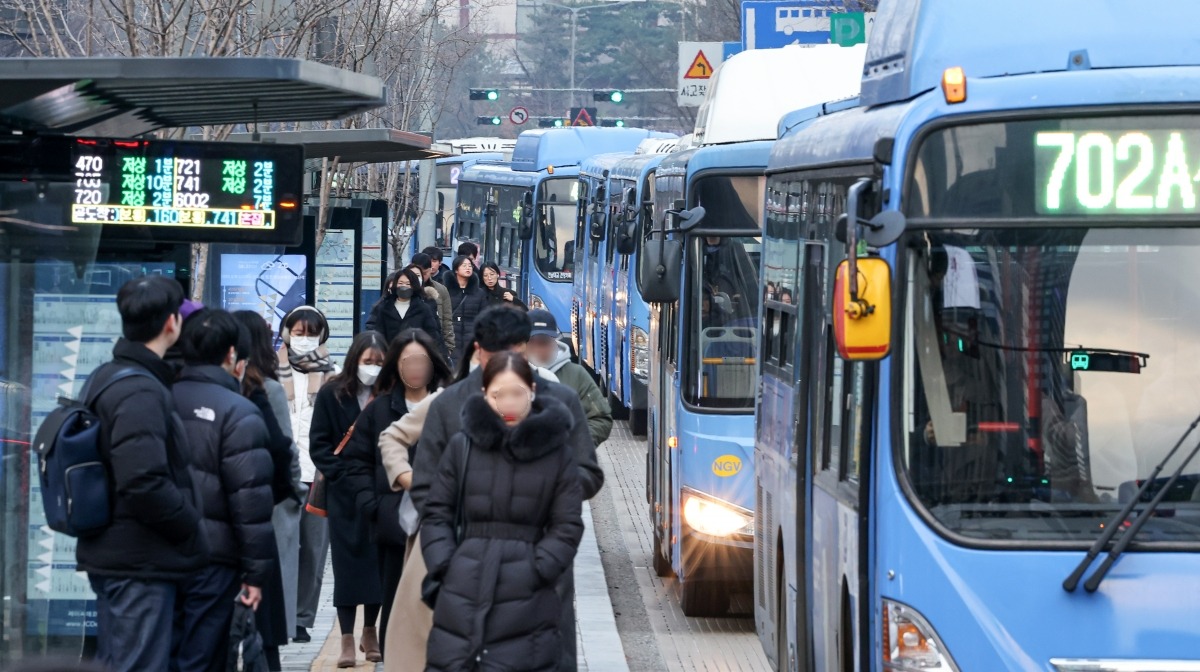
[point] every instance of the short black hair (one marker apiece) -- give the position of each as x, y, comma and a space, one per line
422, 261
468, 249
501, 327
210, 333
435, 253
145, 304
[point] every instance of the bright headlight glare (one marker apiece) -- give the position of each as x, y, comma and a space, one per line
713, 518
910, 643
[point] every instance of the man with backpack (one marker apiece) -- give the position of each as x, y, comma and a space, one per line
234, 472
153, 541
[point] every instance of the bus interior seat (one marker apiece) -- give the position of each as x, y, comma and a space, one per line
733, 378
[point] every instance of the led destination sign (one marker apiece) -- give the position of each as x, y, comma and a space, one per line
1118, 169
205, 191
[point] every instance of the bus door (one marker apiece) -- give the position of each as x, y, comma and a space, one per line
504, 238
472, 210
839, 406
579, 334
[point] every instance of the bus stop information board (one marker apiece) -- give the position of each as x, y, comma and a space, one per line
169, 191
175, 184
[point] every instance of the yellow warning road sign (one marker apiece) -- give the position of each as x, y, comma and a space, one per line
700, 68
582, 118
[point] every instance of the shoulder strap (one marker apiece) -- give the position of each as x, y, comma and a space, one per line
89, 397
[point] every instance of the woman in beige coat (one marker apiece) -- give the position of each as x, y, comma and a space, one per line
411, 621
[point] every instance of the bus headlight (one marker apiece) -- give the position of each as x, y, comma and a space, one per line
715, 518
910, 643
536, 302
639, 361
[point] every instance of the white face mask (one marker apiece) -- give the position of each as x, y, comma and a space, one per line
302, 345
368, 373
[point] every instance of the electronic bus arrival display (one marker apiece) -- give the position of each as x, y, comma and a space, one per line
1145, 165
205, 191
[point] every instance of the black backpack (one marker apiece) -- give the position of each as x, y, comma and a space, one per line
75, 486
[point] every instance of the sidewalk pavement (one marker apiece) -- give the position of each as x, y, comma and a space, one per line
597, 641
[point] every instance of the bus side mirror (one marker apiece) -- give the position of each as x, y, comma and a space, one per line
596, 227
659, 269
862, 292
526, 229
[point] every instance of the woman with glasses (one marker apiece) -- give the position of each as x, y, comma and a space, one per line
413, 369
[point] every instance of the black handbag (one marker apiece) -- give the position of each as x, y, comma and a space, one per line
431, 586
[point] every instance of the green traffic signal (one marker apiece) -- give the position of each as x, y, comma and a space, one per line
495, 121
484, 94
493, 94
616, 96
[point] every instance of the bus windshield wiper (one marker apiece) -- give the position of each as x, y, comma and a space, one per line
1111, 527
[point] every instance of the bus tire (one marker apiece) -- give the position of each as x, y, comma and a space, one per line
639, 421
617, 407
700, 599
661, 562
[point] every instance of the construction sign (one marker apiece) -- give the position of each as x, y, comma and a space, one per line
697, 60
583, 116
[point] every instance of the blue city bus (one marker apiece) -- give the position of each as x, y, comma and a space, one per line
629, 369
447, 171
704, 328
534, 197
948, 474
596, 204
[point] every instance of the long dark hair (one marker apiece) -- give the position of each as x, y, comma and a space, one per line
346, 384
507, 361
389, 377
262, 362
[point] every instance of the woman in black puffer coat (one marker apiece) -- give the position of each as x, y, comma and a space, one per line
495, 607
496, 292
467, 300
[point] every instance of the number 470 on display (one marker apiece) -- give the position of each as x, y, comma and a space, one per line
1149, 180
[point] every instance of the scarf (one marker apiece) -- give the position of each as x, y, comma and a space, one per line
315, 365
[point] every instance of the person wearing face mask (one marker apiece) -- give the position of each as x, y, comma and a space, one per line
355, 559
546, 351
509, 481
404, 306
413, 370
233, 472
304, 367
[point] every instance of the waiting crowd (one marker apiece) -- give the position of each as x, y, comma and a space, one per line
441, 467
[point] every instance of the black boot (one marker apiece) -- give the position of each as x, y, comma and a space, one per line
302, 635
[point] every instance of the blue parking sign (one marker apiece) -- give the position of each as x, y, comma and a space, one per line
767, 24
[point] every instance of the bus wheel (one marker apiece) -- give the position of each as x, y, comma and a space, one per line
703, 598
662, 563
617, 407
639, 421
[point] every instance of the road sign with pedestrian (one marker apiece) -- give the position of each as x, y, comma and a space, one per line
767, 24
518, 115
697, 61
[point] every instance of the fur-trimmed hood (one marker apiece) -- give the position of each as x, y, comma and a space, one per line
545, 430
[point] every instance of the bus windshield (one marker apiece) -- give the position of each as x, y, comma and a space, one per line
555, 235
1047, 371
722, 300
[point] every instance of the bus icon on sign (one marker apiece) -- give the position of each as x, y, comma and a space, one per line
790, 20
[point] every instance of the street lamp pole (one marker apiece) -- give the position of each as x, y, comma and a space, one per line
574, 29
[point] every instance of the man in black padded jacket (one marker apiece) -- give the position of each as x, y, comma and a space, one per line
135, 564
233, 470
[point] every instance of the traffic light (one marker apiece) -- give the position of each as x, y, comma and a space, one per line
619, 123
485, 94
487, 121
551, 123
614, 96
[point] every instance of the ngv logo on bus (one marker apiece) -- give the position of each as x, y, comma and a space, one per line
727, 465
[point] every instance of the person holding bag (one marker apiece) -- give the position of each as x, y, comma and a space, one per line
502, 523
413, 369
355, 558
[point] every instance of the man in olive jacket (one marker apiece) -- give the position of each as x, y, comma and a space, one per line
546, 351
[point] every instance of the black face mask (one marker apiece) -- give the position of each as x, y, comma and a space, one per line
403, 293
